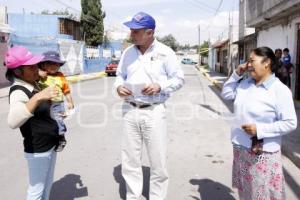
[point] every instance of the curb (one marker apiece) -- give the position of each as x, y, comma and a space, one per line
216, 83
85, 77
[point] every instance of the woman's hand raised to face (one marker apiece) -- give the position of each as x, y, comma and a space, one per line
48, 93
242, 68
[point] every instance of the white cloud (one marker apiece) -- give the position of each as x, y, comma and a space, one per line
160, 21
219, 21
128, 18
183, 27
186, 30
186, 23
117, 35
167, 11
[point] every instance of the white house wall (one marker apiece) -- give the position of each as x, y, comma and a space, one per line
234, 51
275, 37
281, 37
72, 52
212, 57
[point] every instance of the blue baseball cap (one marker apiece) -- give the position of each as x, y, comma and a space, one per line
53, 56
141, 20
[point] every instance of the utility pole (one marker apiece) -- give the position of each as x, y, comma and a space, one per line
229, 46
199, 45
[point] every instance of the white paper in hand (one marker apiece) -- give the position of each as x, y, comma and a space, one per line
136, 89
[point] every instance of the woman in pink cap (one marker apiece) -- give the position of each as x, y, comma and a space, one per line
30, 111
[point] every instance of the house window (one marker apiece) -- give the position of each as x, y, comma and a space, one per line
70, 27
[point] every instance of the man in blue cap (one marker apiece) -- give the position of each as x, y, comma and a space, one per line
147, 73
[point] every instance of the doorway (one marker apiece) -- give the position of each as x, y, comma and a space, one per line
297, 67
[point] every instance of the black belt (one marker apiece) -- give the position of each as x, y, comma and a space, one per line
141, 105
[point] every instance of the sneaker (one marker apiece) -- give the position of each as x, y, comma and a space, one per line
61, 144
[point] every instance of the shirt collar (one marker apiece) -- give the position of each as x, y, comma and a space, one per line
24, 84
267, 83
152, 45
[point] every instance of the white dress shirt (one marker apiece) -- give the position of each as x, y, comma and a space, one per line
158, 64
268, 105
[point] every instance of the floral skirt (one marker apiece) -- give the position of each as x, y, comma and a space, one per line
258, 177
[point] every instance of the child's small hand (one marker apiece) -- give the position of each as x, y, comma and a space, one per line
70, 106
63, 114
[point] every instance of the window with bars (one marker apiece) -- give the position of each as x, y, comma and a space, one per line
70, 27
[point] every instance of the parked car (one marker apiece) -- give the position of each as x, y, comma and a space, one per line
111, 68
188, 61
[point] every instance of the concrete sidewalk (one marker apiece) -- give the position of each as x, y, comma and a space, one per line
72, 79
291, 141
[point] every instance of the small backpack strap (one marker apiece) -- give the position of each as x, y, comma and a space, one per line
19, 87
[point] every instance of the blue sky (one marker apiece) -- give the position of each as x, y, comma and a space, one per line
177, 17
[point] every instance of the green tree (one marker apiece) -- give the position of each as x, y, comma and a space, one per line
184, 47
196, 47
45, 12
204, 49
92, 22
170, 41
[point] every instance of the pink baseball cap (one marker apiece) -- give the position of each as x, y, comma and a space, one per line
18, 56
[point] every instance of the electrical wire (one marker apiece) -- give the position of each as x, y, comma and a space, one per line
205, 5
209, 10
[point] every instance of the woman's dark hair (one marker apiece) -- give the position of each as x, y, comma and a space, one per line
267, 53
286, 50
276, 50
11, 74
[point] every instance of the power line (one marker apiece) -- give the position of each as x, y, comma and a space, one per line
209, 10
205, 5
68, 6
216, 13
219, 6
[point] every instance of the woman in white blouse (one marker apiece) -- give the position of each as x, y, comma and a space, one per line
264, 111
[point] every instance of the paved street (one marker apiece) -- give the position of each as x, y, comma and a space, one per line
199, 151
